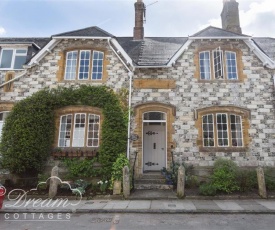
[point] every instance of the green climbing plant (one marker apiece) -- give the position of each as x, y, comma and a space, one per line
28, 133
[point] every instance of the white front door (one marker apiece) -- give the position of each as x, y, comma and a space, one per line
154, 146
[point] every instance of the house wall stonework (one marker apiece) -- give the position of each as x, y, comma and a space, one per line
254, 92
46, 73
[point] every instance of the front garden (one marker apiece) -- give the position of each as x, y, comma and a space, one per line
225, 179
29, 131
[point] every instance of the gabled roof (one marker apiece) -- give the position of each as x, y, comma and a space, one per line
152, 51
212, 31
38, 41
267, 45
93, 31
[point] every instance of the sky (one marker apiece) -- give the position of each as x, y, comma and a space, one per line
164, 18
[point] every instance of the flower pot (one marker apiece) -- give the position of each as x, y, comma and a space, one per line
117, 187
2, 195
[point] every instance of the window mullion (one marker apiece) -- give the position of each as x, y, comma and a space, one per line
86, 130
77, 65
72, 130
91, 65
229, 130
13, 58
215, 130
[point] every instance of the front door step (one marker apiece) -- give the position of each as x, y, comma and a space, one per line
153, 194
152, 181
153, 186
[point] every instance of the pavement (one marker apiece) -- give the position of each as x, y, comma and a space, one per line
252, 206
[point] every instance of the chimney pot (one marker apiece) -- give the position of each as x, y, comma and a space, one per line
139, 16
230, 16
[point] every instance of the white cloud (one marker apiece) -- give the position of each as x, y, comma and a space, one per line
2, 30
256, 20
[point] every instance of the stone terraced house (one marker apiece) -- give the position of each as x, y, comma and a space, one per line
193, 98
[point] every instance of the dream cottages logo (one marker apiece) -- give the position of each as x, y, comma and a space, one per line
23, 208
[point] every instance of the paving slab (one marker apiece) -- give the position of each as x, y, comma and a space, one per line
89, 205
117, 204
151, 194
228, 205
172, 205
139, 204
206, 205
251, 205
268, 204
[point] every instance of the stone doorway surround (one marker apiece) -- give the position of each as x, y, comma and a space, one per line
139, 110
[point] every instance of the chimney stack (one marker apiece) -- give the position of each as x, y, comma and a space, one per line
230, 16
139, 15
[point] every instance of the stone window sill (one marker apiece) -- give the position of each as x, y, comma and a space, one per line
223, 149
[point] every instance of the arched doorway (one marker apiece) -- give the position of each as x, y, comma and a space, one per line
154, 141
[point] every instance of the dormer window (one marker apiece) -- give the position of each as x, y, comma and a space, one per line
218, 64
13, 58
84, 65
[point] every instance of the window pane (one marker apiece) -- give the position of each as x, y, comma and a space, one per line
236, 131
222, 129
154, 116
231, 65
19, 62
79, 130
6, 59
218, 64
21, 51
97, 65
71, 63
205, 65
208, 132
84, 65
65, 131
93, 131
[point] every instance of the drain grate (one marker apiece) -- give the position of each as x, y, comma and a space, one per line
89, 202
171, 205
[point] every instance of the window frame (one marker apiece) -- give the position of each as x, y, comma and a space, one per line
86, 129
226, 66
78, 66
230, 145
13, 58
211, 66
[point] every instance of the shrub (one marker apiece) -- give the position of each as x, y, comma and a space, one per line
224, 176
79, 167
79, 187
172, 173
269, 179
192, 181
118, 166
28, 132
247, 179
207, 189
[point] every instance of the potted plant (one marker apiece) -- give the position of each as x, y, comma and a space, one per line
2, 194
117, 174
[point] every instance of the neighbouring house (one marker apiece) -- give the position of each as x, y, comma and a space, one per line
193, 98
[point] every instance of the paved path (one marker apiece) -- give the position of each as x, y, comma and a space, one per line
146, 206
